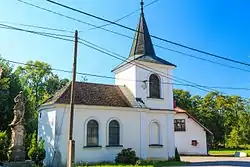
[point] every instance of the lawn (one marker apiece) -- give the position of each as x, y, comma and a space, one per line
153, 164
227, 152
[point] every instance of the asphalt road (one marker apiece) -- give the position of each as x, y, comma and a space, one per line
216, 161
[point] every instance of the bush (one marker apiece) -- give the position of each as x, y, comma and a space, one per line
233, 140
36, 150
126, 156
177, 155
3, 146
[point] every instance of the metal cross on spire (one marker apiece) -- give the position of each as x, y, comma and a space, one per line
142, 4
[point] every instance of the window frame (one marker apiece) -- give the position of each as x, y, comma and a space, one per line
118, 133
152, 94
182, 123
88, 143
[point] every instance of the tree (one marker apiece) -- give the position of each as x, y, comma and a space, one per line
33, 77
36, 150
233, 140
244, 128
9, 88
53, 84
39, 83
183, 99
228, 117
3, 146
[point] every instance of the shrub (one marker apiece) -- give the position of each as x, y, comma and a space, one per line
233, 140
3, 146
177, 155
126, 156
36, 150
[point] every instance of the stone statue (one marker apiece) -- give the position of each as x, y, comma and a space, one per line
17, 149
19, 109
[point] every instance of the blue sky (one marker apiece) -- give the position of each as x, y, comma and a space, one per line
220, 27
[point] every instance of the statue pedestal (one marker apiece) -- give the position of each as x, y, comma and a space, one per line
17, 149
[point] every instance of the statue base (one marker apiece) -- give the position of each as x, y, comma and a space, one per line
17, 149
19, 164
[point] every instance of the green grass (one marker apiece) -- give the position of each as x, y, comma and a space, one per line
143, 164
228, 152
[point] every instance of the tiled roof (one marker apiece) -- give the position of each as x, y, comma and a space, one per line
92, 94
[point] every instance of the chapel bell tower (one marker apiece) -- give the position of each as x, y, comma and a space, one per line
143, 73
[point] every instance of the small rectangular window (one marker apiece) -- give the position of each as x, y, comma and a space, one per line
194, 143
179, 125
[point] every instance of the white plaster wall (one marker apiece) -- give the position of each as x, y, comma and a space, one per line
134, 133
130, 133
165, 138
193, 132
46, 130
166, 101
171, 135
127, 76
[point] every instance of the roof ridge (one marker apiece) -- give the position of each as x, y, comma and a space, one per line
79, 82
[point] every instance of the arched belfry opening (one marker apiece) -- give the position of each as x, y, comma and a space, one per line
154, 86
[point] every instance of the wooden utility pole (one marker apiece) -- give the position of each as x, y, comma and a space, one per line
71, 144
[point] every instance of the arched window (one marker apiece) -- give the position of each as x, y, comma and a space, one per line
92, 133
114, 133
154, 133
154, 86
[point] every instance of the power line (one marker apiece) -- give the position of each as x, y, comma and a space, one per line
56, 36
153, 36
117, 56
106, 52
35, 26
126, 36
113, 78
127, 15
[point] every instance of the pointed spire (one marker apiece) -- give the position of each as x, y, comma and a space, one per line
142, 44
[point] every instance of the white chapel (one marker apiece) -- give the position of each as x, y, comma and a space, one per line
137, 112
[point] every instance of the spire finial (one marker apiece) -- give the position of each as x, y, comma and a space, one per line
142, 4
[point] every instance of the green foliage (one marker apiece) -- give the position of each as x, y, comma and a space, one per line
177, 155
36, 150
234, 139
38, 84
3, 146
220, 114
33, 147
9, 88
126, 156
143, 163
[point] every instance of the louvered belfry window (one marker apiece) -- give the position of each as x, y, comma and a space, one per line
114, 133
154, 86
92, 133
